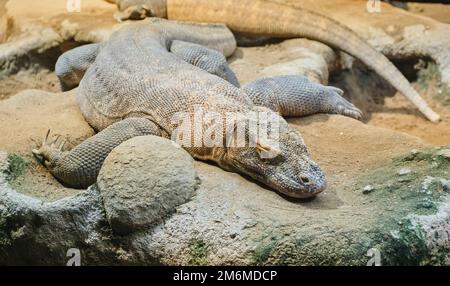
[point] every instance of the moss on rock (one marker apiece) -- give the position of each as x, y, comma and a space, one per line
199, 253
16, 167
429, 80
398, 197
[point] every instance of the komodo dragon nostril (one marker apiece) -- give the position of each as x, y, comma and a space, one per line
305, 180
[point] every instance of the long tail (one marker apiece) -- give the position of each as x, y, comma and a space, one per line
256, 17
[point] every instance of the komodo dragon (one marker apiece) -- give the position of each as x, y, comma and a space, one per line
150, 71
264, 18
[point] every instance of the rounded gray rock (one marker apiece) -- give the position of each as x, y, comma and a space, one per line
143, 181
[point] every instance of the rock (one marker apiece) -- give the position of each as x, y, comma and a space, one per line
311, 59
404, 172
405, 180
445, 153
368, 189
427, 183
27, 222
308, 58
143, 181
445, 185
426, 204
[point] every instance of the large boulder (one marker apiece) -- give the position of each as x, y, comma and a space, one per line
143, 180
311, 59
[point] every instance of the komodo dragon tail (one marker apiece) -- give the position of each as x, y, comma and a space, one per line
256, 17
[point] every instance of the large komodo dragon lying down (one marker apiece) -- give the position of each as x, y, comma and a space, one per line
263, 18
148, 72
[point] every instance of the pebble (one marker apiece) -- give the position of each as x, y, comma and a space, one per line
368, 189
404, 171
427, 183
444, 153
405, 180
445, 185
426, 204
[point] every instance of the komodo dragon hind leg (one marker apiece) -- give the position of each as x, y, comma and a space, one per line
72, 65
205, 58
79, 167
297, 96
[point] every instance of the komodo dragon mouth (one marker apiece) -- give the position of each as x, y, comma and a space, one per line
297, 186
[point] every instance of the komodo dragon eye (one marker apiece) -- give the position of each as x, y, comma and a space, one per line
269, 154
277, 160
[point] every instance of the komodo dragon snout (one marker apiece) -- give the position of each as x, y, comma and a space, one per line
283, 164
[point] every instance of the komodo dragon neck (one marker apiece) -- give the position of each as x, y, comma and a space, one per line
255, 17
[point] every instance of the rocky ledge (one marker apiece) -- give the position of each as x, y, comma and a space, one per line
170, 216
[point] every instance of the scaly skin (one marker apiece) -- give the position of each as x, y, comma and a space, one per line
137, 83
263, 18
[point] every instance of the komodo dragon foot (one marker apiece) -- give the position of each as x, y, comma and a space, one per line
294, 95
50, 149
79, 167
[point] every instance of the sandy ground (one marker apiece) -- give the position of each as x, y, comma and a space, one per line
28, 79
436, 11
384, 107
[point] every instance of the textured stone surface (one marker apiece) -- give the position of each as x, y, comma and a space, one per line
143, 180
234, 221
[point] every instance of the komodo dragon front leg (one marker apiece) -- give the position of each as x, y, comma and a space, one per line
297, 96
80, 167
205, 58
72, 65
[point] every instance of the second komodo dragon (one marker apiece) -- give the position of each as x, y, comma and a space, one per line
149, 72
265, 18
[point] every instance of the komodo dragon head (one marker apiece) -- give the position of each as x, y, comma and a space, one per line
284, 165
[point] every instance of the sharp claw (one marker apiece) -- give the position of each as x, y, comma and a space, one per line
359, 115
38, 155
62, 144
46, 137
338, 90
54, 143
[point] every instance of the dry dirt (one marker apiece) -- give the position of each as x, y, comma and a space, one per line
28, 79
344, 147
384, 107
25, 119
436, 11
